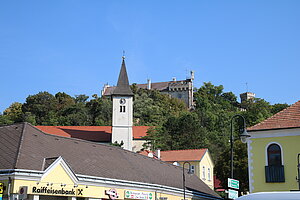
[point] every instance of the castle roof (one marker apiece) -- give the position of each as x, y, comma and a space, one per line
123, 87
160, 86
90, 133
22, 146
287, 118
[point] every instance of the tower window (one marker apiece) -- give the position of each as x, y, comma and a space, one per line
122, 108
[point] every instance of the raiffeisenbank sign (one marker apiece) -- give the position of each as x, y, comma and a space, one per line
57, 191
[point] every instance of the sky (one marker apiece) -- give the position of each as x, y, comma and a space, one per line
76, 46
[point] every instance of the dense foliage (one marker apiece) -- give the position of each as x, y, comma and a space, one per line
174, 126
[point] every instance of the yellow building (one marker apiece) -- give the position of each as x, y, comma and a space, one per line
273, 150
201, 163
39, 166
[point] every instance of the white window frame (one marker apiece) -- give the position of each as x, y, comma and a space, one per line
266, 152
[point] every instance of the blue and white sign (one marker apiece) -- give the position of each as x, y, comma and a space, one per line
233, 194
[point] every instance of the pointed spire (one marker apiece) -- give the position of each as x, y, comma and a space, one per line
123, 87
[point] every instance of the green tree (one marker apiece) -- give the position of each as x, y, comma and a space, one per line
240, 163
64, 100
257, 110
4, 120
14, 112
43, 106
152, 108
100, 110
278, 107
182, 132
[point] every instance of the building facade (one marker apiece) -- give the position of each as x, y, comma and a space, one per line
273, 150
201, 163
39, 166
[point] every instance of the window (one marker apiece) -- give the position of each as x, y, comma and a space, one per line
274, 155
274, 171
208, 174
122, 108
192, 169
203, 172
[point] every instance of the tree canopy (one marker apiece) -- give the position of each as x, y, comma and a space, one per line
174, 127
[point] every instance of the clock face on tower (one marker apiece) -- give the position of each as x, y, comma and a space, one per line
122, 101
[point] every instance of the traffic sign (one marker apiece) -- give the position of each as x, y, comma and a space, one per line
232, 183
233, 194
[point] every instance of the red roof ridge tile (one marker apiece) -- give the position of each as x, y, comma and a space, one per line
184, 150
284, 115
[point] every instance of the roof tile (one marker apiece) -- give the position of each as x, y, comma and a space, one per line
287, 118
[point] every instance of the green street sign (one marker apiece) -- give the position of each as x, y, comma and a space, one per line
233, 194
232, 183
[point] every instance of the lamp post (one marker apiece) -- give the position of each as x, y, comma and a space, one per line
183, 176
243, 137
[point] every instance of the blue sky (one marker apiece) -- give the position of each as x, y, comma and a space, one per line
76, 46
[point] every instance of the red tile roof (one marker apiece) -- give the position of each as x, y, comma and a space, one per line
91, 133
182, 155
287, 118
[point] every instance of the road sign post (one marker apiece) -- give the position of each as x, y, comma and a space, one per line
232, 183
235, 185
233, 194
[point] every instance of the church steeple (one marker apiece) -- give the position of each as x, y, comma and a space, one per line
123, 87
122, 115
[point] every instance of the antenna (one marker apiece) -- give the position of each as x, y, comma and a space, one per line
123, 55
186, 73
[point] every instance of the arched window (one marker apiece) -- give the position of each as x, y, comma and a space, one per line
274, 170
274, 155
203, 172
208, 174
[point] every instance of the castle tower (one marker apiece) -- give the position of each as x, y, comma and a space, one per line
246, 96
122, 115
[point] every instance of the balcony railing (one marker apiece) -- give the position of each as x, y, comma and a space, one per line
274, 174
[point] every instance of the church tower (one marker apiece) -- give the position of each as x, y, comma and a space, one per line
122, 115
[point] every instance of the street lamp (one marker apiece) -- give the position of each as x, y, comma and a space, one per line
243, 137
183, 176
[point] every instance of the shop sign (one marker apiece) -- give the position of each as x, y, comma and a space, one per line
112, 193
1, 188
55, 191
138, 195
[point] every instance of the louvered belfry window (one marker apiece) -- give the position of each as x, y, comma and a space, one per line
275, 170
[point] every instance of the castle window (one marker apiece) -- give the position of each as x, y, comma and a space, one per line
274, 169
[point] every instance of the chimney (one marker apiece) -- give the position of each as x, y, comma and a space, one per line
148, 84
158, 154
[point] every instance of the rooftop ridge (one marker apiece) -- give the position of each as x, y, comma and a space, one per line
185, 149
283, 112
